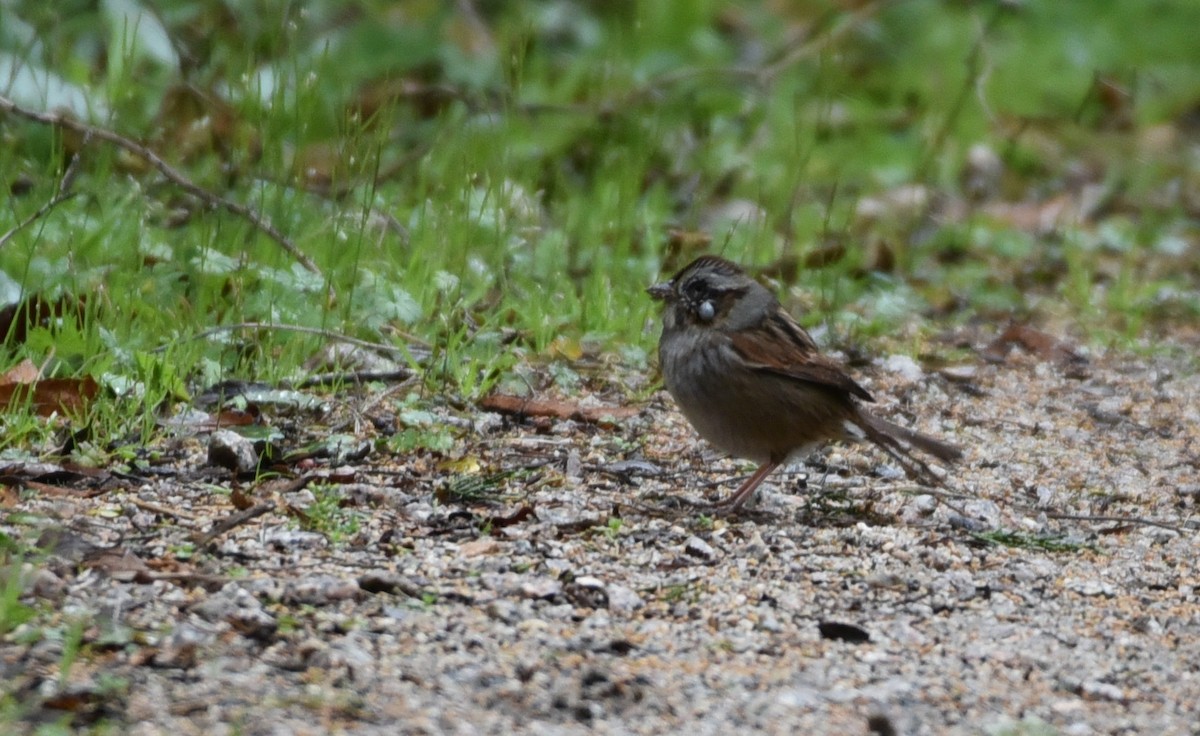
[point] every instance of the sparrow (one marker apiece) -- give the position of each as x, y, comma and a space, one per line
754, 384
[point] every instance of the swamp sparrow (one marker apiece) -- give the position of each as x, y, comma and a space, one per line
754, 384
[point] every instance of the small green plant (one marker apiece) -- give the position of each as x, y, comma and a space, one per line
420, 438
72, 642
183, 550
13, 612
289, 623
474, 488
675, 593
613, 527
15, 558
21, 427
422, 429
112, 686
327, 515
1046, 543
159, 384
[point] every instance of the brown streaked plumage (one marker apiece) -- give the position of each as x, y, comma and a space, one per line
754, 384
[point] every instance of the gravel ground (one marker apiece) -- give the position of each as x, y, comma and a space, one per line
577, 594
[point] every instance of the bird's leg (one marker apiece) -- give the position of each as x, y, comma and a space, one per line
746, 490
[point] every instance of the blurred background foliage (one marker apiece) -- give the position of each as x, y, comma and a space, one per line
497, 181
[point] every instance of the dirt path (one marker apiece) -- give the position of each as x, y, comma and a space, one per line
572, 595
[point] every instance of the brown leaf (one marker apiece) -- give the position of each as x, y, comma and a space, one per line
1116, 100
522, 513
319, 164
477, 547
240, 500
198, 422
1034, 341
427, 98
52, 395
36, 311
115, 561
601, 415
237, 417
77, 702
194, 122
48, 489
23, 372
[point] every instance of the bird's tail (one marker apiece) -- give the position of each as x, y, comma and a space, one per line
899, 442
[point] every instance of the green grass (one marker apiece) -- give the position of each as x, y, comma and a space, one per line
531, 172
26, 622
1044, 542
13, 612
329, 516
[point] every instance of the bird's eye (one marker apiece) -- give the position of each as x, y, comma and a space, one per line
706, 311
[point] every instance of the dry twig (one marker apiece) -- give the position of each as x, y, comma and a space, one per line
172, 174
64, 193
329, 334
233, 521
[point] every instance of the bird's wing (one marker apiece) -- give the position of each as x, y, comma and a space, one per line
783, 348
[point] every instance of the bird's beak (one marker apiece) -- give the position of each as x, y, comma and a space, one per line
663, 291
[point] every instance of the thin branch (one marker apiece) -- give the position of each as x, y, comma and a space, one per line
158, 508
172, 174
1120, 520
977, 67
760, 76
64, 193
819, 44
329, 334
355, 378
232, 522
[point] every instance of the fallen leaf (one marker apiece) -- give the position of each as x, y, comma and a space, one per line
52, 395
36, 311
521, 514
23, 372
477, 547
566, 348
116, 561
1034, 341
517, 405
